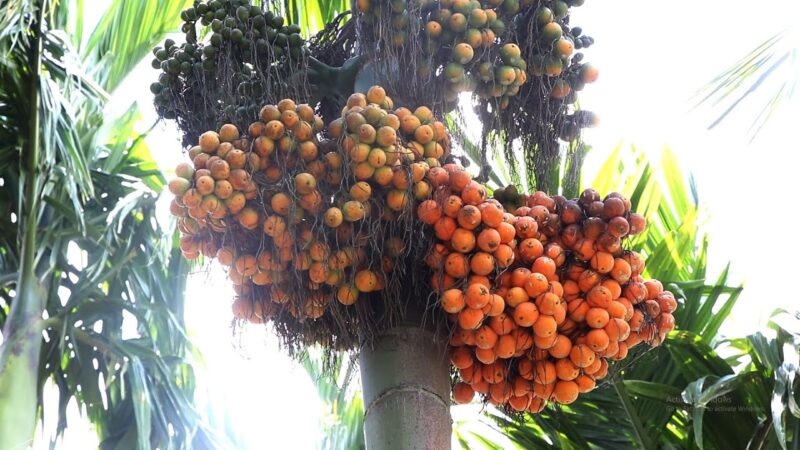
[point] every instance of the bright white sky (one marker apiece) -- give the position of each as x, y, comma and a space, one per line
653, 55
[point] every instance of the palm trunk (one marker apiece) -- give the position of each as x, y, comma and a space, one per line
19, 355
406, 383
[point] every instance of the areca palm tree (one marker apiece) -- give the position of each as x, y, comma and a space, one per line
91, 284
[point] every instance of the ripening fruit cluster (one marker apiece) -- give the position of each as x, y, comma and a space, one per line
542, 297
553, 59
214, 186
469, 30
293, 216
252, 201
378, 138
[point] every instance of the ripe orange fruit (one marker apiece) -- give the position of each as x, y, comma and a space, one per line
635, 292
519, 276
469, 217
507, 232
485, 355
444, 228
582, 355
482, 263
505, 346
473, 193
497, 306
602, 262
456, 265
525, 314
471, 374
561, 348
423, 134
280, 203
248, 218
599, 297
547, 303
565, 392
666, 302
566, 370
545, 326
461, 357
585, 383
621, 353
453, 301
495, 372
621, 272
665, 322
477, 296
504, 256
530, 249
515, 296
470, 318
544, 373
617, 329
429, 212
526, 227
654, 288
637, 223
546, 266
463, 393
616, 310
463, 240
597, 339
545, 342
618, 227
535, 284
588, 279
488, 240
366, 280
485, 337
597, 317
502, 324
491, 214
521, 386
523, 339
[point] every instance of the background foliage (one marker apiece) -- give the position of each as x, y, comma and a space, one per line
111, 275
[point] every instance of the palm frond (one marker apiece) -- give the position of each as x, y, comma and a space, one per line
771, 70
121, 39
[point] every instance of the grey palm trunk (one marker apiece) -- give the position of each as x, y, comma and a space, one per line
406, 385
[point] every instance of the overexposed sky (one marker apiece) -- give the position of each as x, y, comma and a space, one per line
652, 56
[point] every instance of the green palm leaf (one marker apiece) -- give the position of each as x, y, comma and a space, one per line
771, 69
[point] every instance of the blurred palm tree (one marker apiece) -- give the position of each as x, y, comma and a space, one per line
91, 282
768, 74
